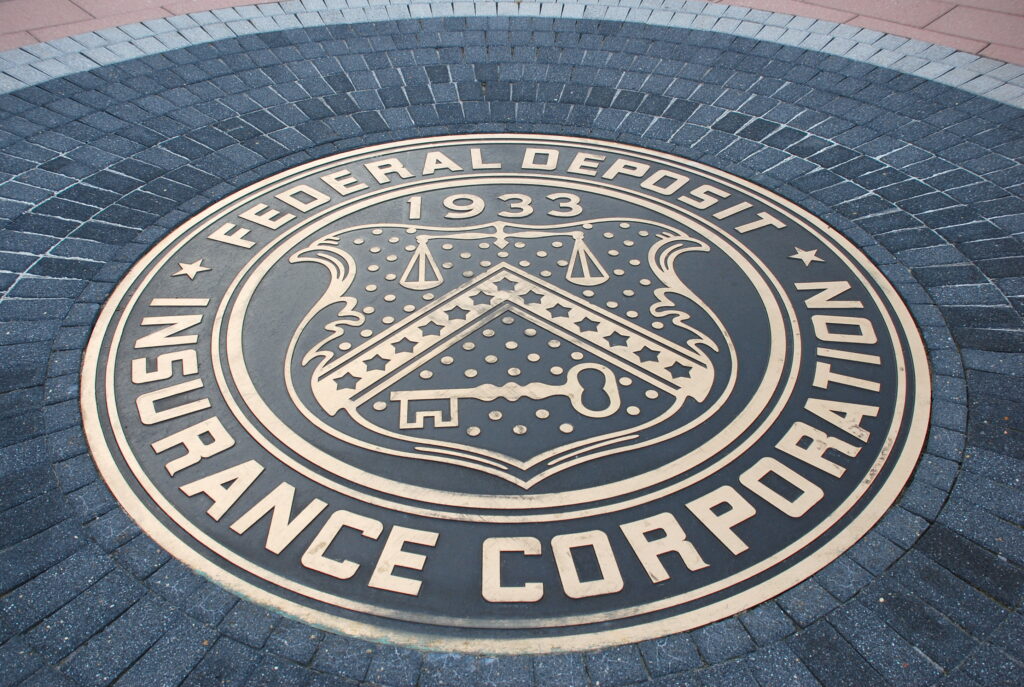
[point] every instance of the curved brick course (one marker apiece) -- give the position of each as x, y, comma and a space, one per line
98, 165
40, 62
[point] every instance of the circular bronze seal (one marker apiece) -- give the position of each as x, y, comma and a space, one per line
505, 393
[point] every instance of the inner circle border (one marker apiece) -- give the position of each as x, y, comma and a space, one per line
903, 465
553, 504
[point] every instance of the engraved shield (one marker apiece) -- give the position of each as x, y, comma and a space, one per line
508, 348
508, 368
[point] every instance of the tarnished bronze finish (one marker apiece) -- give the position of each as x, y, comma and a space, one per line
505, 393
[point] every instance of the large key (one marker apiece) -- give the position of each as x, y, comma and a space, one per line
573, 389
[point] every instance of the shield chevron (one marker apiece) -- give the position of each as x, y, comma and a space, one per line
506, 393
518, 371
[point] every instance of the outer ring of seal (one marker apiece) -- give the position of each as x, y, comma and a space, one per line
902, 464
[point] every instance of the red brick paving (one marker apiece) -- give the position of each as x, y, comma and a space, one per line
997, 27
1008, 6
797, 7
50, 33
994, 28
951, 40
915, 13
21, 15
1004, 53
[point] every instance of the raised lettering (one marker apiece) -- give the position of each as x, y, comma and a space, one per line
315, 556
227, 233
141, 373
829, 290
585, 163
704, 196
823, 329
169, 326
764, 219
381, 169
673, 540
530, 158
491, 587
814, 452
810, 493
266, 216
240, 477
393, 556
824, 377
314, 198
283, 528
627, 167
146, 403
436, 160
653, 182
343, 182
720, 523
610, 581
476, 160
844, 415
195, 447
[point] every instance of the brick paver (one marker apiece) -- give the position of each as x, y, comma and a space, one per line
37, 63
983, 25
953, 40
924, 175
26, 15
986, 27
914, 13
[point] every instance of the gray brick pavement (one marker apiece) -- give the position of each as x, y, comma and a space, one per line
97, 165
984, 76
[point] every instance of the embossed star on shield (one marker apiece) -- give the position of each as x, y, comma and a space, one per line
509, 348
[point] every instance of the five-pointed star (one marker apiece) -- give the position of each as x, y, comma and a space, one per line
617, 339
558, 311
531, 297
505, 284
806, 256
481, 299
458, 313
191, 269
678, 370
647, 354
431, 329
377, 362
404, 345
346, 381
588, 325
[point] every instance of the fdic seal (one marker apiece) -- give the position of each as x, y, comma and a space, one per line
505, 393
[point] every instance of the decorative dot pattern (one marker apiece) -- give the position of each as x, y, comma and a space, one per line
98, 166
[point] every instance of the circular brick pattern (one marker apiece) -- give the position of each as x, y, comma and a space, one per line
98, 165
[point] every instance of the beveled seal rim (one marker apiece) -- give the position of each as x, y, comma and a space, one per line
902, 464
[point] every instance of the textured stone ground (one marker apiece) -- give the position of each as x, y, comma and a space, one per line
104, 43
97, 165
993, 28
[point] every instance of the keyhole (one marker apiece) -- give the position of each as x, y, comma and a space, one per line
584, 393
594, 396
